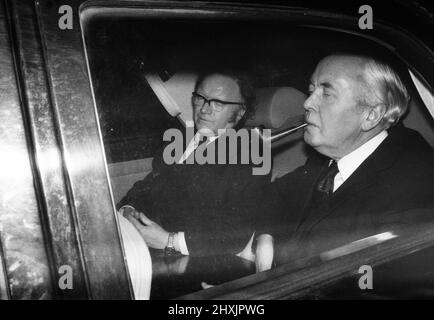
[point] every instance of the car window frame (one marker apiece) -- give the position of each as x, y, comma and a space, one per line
59, 62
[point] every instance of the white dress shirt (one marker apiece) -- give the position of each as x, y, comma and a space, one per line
349, 163
194, 143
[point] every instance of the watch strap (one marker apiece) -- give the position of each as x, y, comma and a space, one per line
170, 246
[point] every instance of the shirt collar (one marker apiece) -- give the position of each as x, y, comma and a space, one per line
198, 136
349, 163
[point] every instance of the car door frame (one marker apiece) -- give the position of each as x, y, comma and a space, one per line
76, 206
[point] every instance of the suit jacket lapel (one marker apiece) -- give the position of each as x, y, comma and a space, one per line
367, 174
309, 182
364, 176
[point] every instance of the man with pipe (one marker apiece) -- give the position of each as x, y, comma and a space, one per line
369, 173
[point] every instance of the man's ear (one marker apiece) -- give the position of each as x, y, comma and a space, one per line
373, 116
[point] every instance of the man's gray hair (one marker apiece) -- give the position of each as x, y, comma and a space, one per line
382, 85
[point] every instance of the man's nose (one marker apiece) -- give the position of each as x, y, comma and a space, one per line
309, 103
206, 108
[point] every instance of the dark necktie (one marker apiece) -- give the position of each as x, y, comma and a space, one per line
320, 195
325, 185
319, 201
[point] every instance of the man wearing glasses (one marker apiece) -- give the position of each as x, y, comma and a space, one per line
205, 209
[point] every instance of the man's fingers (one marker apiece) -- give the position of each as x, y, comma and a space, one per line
144, 219
134, 221
136, 214
206, 285
128, 211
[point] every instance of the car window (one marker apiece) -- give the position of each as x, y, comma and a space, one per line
137, 65
425, 93
421, 105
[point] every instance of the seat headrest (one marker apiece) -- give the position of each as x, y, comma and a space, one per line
174, 93
275, 105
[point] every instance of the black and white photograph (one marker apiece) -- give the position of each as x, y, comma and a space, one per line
216, 150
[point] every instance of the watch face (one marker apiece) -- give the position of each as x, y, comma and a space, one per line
169, 251
170, 248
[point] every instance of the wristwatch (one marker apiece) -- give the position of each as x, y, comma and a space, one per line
169, 250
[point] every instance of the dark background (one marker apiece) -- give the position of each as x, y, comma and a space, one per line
121, 50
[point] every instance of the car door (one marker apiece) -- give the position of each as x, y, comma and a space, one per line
59, 233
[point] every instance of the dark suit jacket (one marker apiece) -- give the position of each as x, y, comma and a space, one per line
213, 204
391, 190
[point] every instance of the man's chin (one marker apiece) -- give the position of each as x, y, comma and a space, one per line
317, 144
309, 138
204, 130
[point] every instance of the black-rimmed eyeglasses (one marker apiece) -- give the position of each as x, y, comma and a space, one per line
217, 105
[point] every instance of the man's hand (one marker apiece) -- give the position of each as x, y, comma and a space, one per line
264, 252
205, 285
154, 235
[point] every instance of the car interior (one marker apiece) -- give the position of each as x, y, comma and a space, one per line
143, 81
143, 72
88, 88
